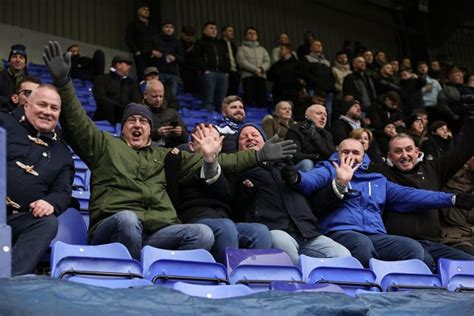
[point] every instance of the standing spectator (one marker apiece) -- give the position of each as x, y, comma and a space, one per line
415, 128
317, 70
12, 75
359, 85
150, 73
380, 59
283, 39
406, 64
212, 61
370, 66
233, 113
83, 67
169, 129
234, 75
435, 71
280, 121
449, 100
113, 91
284, 74
385, 81
254, 62
410, 91
348, 121
187, 70
396, 71
429, 91
139, 38
467, 94
304, 49
340, 70
388, 109
165, 55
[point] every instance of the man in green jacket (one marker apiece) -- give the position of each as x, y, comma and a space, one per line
129, 203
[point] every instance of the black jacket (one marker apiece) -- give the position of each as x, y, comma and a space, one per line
318, 76
354, 84
167, 45
340, 130
211, 54
165, 116
410, 93
312, 143
428, 175
380, 115
112, 93
284, 74
53, 164
139, 37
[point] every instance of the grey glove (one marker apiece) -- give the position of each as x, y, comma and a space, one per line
58, 64
275, 150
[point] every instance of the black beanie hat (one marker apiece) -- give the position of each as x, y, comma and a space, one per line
138, 109
346, 105
411, 119
18, 49
437, 124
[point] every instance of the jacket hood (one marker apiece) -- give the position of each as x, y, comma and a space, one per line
251, 43
365, 161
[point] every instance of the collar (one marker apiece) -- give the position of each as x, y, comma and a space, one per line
19, 114
114, 71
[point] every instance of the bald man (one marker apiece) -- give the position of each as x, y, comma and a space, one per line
356, 221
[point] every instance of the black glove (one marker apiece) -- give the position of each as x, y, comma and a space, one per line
464, 201
58, 64
275, 150
289, 173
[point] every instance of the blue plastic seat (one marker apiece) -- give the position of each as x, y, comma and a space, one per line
165, 267
71, 228
83, 198
404, 275
112, 283
213, 291
457, 275
94, 264
347, 272
105, 126
305, 287
258, 268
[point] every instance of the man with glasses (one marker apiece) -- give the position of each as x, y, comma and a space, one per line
22, 92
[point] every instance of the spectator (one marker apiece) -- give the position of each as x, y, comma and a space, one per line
169, 129
139, 38
467, 95
359, 85
370, 66
283, 39
387, 109
284, 74
435, 71
165, 55
396, 71
150, 73
234, 75
366, 138
415, 128
340, 70
348, 121
385, 81
384, 135
187, 70
439, 141
280, 122
406, 64
314, 143
349, 222
254, 62
133, 207
213, 63
268, 200
83, 67
379, 60
38, 177
304, 49
430, 91
21, 94
233, 113
207, 202
410, 91
449, 100
16, 70
113, 91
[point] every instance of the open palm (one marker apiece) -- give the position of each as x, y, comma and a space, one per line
209, 144
345, 170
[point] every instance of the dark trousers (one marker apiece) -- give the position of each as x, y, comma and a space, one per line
31, 237
255, 91
234, 83
434, 251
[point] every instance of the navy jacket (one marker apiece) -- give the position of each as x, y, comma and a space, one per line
53, 164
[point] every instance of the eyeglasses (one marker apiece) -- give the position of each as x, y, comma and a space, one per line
27, 93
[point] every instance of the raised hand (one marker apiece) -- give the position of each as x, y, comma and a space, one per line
58, 64
275, 150
208, 141
345, 170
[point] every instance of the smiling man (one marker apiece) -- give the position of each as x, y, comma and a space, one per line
38, 176
14, 73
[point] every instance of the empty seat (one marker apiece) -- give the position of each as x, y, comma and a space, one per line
83, 198
71, 228
404, 275
165, 267
258, 268
305, 287
347, 272
457, 275
213, 291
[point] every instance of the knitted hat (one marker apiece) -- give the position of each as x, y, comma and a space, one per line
411, 119
18, 49
345, 106
437, 124
138, 109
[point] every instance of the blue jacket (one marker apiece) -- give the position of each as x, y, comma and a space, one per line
369, 194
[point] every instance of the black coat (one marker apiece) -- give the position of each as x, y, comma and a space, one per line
139, 37
211, 54
165, 116
318, 76
380, 115
273, 203
53, 164
428, 175
340, 130
410, 93
284, 74
112, 93
8, 84
167, 45
353, 85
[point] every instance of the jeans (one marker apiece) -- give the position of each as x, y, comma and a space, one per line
236, 235
214, 86
31, 237
171, 82
125, 227
318, 247
434, 251
304, 165
380, 246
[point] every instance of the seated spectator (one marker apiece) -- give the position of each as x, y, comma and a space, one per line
410, 91
283, 39
371, 67
207, 202
22, 92
415, 128
150, 73
169, 130
280, 122
305, 48
314, 143
83, 67
430, 91
439, 141
38, 176
457, 225
284, 75
385, 81
384, 135
349, 222
359, 85
233, 113
387, 109
305, 101
371, 148
396, 71
14, 73
435, 71
349, 120
406, 64
450, 106
113, 91
268, 200
254, 62
380, 59
340, 70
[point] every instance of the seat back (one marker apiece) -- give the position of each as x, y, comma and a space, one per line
456, 275
274, 257
213, 291
151, 254
71, 228
382, 268
308, 264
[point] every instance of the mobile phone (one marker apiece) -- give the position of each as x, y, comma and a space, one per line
174, 123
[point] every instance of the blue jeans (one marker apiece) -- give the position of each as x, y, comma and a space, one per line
434, 251
214, 86
31, 237
171, 81
380, 246
318, 247
236, 235
305, 165
125, 227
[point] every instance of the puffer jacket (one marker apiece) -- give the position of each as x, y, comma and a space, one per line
250, 56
